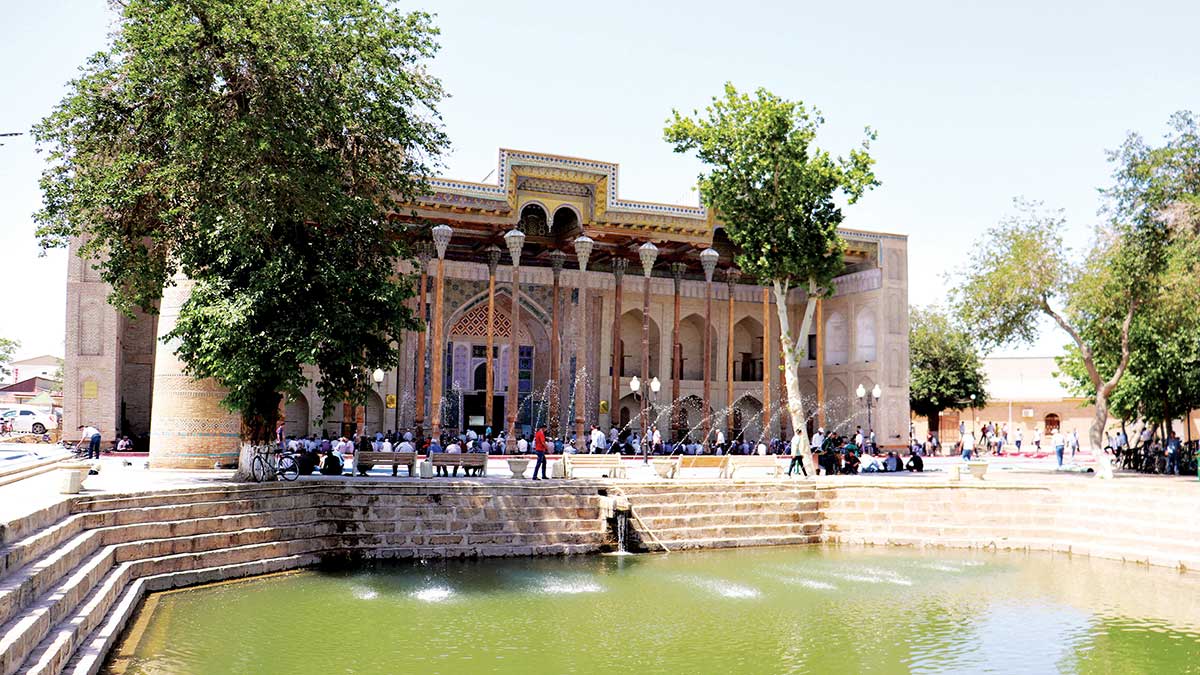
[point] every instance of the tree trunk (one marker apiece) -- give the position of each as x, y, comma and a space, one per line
258, 426
791, 364
1103, 461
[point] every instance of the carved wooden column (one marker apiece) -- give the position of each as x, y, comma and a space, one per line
493, 257
766, 350
424, 253
677, 270
583, 251
441, 239
614, 404
708, 260
557, 258
732, 275
647, 252
820, 363
514, 240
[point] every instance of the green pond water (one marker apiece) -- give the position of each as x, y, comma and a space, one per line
774, 610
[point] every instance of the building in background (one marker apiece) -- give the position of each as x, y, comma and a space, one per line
45, 366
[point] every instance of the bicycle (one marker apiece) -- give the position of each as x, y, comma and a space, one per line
266, 467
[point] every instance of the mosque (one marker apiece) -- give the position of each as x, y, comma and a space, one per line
517, 340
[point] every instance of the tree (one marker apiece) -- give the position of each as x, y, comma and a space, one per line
257, 147
775, 191
1156, 189
945, 368
1028, 273
7, 349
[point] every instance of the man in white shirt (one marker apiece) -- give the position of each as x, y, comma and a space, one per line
385, 446
720, 439
1058, 443
597, 440
797, 454
1017, 441
818, 440
522, 446
90, 436
968, 445
406, 446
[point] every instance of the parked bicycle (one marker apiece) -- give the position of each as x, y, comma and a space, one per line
270, 464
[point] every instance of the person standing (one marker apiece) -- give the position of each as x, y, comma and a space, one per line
90, 436
1017, 440
539, 448
818, 441
797, 454
1058, 442
1074, 443
968, 445
1173, 451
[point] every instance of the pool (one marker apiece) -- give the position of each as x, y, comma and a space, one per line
766, 610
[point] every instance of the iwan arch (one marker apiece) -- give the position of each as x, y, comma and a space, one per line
117, 378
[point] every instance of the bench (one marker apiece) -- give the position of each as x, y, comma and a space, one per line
610, 463
752, 462
467, 460
394, 459
719, 462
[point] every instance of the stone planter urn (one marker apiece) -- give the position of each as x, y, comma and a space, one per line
665, 468
72, 476
978, 469
518, 466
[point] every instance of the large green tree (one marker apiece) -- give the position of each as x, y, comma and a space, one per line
1028, 274
256, 147
945, 369
1156, 188
776, 192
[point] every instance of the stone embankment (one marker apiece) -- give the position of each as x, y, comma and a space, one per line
72, 574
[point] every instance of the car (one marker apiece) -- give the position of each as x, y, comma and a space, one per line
26, 418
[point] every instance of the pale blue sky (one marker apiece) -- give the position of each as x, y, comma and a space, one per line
974, 103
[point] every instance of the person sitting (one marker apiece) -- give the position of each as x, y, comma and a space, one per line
892, 462
333, 464
869, 464
452, 449
852, 463
308, 460
915, 463
364, 445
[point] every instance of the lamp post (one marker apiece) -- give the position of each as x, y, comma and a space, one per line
708, 261
493, 258
441, 240
655, 386
583, 251
871, 400
635, 385
972, 414
647, 252
424, 253
377, 378
514, 239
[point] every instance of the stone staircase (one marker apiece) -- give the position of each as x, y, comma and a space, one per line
70, 578
723, 514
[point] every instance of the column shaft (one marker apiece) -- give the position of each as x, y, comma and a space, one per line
706, 354
488, 402
766, 350
419, 385
514, 360
439, 346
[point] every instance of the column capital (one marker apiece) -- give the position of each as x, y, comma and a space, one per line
557, 260
677, 270
732, 277
493, 259
618, 268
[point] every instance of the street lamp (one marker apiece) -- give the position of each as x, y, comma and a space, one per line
647, 252
514, 240
377, 376
708, 261
972, 414
876, 393
441, 241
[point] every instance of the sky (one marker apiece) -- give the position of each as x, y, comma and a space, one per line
974, 103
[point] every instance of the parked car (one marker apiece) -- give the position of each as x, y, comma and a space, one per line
26, 418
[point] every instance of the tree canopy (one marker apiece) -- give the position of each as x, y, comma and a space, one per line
7, 349
776, 193
256, 147
945, 367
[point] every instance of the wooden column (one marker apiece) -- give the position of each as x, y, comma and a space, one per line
614, 404
419, 401
820, 363
581, 352
731, 280
766, 350
706, 351
514, 359
677, 270
438, 356
557, 258
489, 402
645, 374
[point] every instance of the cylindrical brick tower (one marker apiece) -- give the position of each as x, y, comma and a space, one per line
189, 428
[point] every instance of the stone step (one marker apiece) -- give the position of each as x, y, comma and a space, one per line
20, 635
736, 542
717, 519
92, 651
654, 509
719, 497
22, 588
733, 531
37, 544
53, 652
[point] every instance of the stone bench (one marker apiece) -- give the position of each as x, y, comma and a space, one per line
395, 459
467, 460
752, 462
611, 464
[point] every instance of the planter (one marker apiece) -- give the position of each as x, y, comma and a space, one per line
72, 476
665, 468
518, 466
978, 469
